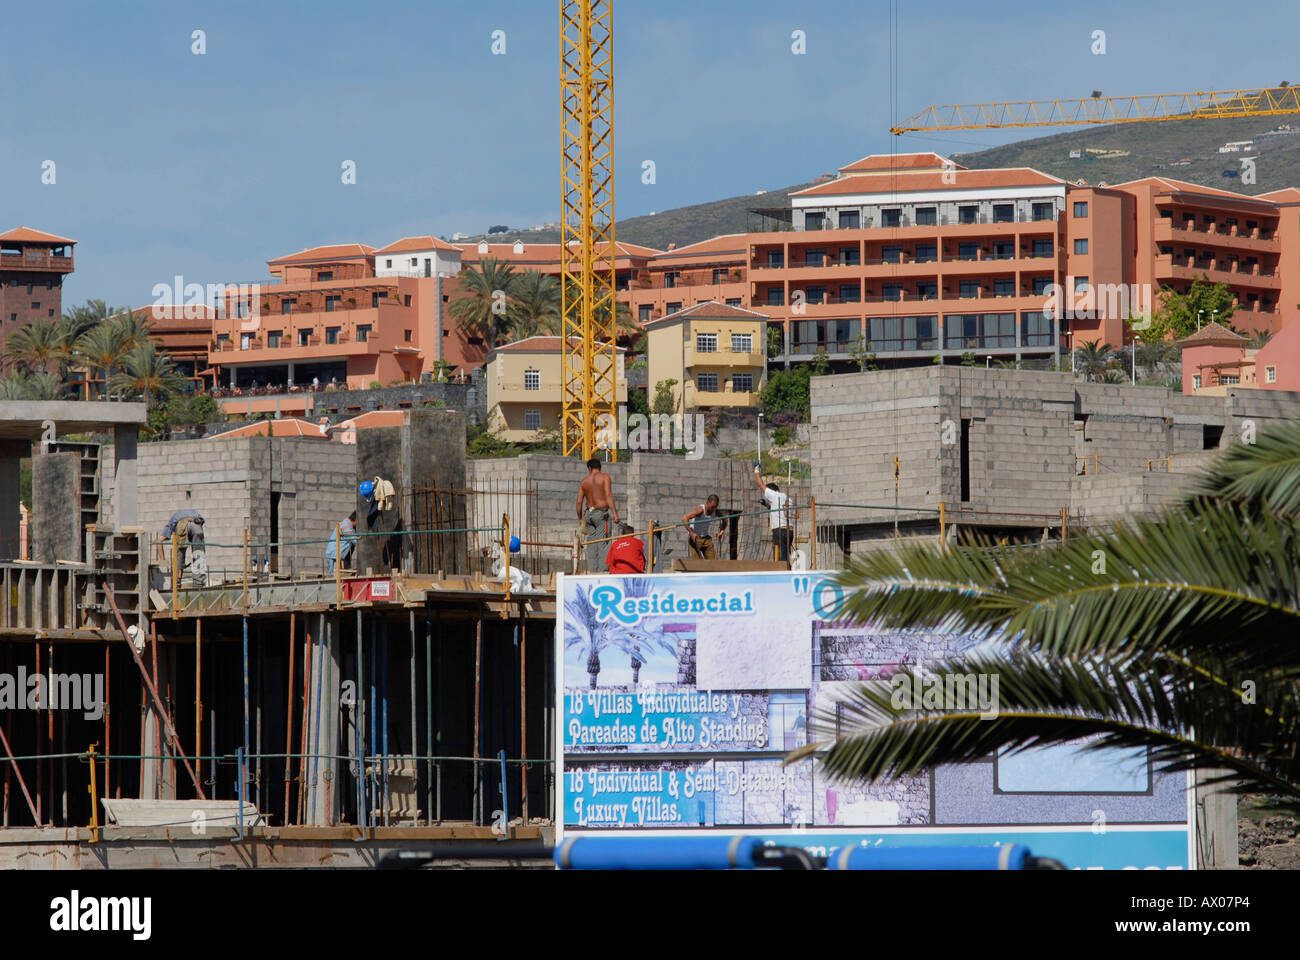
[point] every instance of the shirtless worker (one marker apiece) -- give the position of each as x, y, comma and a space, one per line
700, 529
595, 508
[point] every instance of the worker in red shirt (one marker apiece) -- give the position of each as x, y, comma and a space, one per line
626, 554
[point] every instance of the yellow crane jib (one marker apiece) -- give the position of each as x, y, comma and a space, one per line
1213, 104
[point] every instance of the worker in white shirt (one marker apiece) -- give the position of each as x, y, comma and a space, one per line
699, 528
778, 517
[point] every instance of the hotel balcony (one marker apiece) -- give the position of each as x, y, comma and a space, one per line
1237, 237
723, 358
550, 391
722, 397
1191, 268
385, 323
35, 259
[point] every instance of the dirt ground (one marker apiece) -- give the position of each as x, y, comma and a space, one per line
1266, 839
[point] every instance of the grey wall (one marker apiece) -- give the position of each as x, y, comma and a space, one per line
56, 507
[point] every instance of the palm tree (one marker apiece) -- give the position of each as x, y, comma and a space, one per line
1093, 358
1258, 339
534, 305
147, 374
1181, 640
35, 386
133, 329
36, 346
482, 307
101, 348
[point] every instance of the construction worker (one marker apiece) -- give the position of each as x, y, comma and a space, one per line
778, 517
700, 527
595, 508
626, 554
346, 539
187, 524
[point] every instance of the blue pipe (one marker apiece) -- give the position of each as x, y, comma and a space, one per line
245, 692
239, 814
370, 786
383, 687
358, 733
320, 695
657, 853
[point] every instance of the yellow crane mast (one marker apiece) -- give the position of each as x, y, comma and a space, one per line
1214, 104
587, 249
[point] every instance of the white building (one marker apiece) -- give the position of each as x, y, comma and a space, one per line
418, 257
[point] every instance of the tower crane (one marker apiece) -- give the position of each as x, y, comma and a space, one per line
587, 251
1214, 104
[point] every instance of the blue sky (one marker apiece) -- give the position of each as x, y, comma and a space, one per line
171, 163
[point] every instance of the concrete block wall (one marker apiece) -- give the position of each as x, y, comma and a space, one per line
1105, 498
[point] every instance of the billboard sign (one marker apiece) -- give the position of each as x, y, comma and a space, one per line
678, 696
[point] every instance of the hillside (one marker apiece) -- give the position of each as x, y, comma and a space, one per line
1150, 149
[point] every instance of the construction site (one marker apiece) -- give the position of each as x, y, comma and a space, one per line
223, 693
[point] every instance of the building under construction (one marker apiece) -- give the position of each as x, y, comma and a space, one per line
270, 706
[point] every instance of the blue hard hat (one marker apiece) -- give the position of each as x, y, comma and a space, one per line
514, 544
367, 488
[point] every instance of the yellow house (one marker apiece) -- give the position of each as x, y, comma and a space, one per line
716, 353
525, 391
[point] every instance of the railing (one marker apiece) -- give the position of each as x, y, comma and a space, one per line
15, 261
1081, 464
1158, 465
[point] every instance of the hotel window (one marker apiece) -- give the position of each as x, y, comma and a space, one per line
1080, 284
374, 299
742, 383
1042, 247
406, 336
850, 293
1004, 250
891, 217
927, 289
622, 282
775, 297
670, 280
1229, 379
332, 334
720, 275
331, 302
532, 419
286, 305
304, 338
1044, 211
1196, 381
815, 294
814, 221
733, 301
532, 380
850, 219
325, 275
29, 289
407, 300
273, 338
1004, 212
706, 343
363, 333
415, 261
926, 217
742, 343
388, 262
891, 291
36, 305
222, 338
706, 382
967, 251
891, 254
1270, 374
245, 341
815, 257
970, 214
1081, 209
1036, 329
776, 258
1004, 287
1081, 245
673, 307
643, 313
927, 252
1040, 285
849, 256
968, 289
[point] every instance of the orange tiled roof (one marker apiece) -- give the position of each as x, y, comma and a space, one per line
540, 344
545, 252
1285, 195
709, 310
908, 182
279, 428
417, 243
1183, 186
28, 235
902, 161
375, 418
734, 244
335, 251
1213, 332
